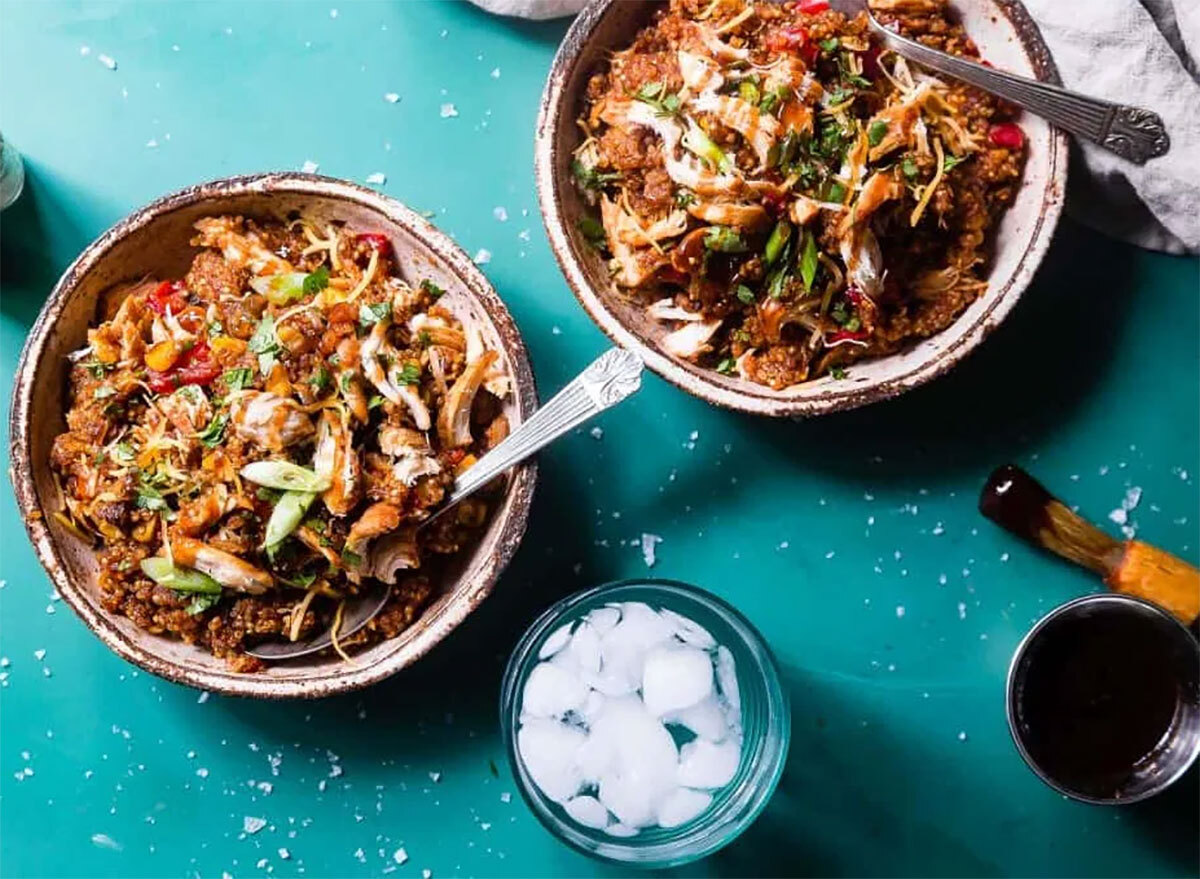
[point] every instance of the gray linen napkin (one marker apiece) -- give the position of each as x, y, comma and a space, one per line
1141, 53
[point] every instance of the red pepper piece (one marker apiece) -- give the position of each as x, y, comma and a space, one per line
788, 39
842, 335
376, 241
168, 294
775, 202
1007, 134
812, 7
870, 61
194, 367
854, 294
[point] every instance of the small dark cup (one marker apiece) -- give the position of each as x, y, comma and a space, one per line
1103, 678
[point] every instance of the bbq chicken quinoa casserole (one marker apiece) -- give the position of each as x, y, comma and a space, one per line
783, 195
252, 444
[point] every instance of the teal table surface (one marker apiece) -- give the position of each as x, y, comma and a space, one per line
851, 541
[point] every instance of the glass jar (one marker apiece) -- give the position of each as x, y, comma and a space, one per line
766, 727
12, 173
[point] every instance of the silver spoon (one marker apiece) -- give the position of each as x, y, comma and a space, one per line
612, 377
1132, 133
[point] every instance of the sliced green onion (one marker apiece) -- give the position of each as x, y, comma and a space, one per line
696, 141
808, 261
162, 572
286, 516
775, 244
280, 289
284, 475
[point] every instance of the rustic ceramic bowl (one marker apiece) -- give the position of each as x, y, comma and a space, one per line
1006, 36
154, 240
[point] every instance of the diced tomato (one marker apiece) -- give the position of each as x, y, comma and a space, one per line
343, 313
168, 294
794, 39
842, 335
195, 366
376, 241
1007, 134
854, 294
812, 7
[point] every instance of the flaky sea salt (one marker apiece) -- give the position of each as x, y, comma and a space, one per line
391, 97
448, 111
309, 166
378, 177
649, 546
482, 257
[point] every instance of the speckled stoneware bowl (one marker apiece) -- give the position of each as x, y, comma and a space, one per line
1006, 36
154, 240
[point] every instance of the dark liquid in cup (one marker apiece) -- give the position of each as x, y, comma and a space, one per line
1098, 697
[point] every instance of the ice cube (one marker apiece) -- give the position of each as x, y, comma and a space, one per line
592, 706
675, 678
557, 641
706, 719
708, 764
587, 811
620, 830
624, 647
689, 632
727, 679
641, 760
682, 805
549, 750
551, 691
602, 619
585, 647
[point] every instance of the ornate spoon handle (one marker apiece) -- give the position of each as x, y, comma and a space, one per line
1132, 133
611, 378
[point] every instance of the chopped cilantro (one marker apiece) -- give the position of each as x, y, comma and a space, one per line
320, 379
855, 79
351, 558
836, 192
344, 382
409, 374
590, 178
123, 453
424, 339
837, 372
265, 343
96, 368
315, 282
745, 294
656, 95
876, 133
373, 314
591, 229
909, 168
301, 581
215, 327
201, 601
748, 91
212, 435
953, 161
375, 402
271, 495
149, 498
432, 289
724, 239
683, 198
853, 325
727, 366
829, 45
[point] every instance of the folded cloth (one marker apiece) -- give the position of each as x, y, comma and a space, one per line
1141, 53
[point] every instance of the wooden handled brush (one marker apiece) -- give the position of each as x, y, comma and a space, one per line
1017, 502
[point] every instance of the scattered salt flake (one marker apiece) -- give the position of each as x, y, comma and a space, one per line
49, 608
426, 874
4, 663
555, 331
252, 825
500, 214
85, 50
1120, 515
597, 433
309, 166
39, 655
435, 777
483, 256
103, 840
649, 543
203, 697
400, 856
333, 13
377, 177
485, 825
1133, 497
506, 797
962, 610
391, 97
448, 111
938, 529
962, 736
108, 61
202, 772
151, 143
899, 610
262, 863
284, 854
829, 554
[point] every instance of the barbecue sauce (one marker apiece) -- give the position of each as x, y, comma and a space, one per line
1098, 696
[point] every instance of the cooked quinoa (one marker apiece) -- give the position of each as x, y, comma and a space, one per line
783, 195
251, 444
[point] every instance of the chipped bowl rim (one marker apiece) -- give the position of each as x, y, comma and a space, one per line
747, 396
334, 679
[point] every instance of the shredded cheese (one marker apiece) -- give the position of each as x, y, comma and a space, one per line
298, 612
367, 277
335, 628
736, 20
927, 193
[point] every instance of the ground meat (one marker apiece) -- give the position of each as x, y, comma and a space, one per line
211, 276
